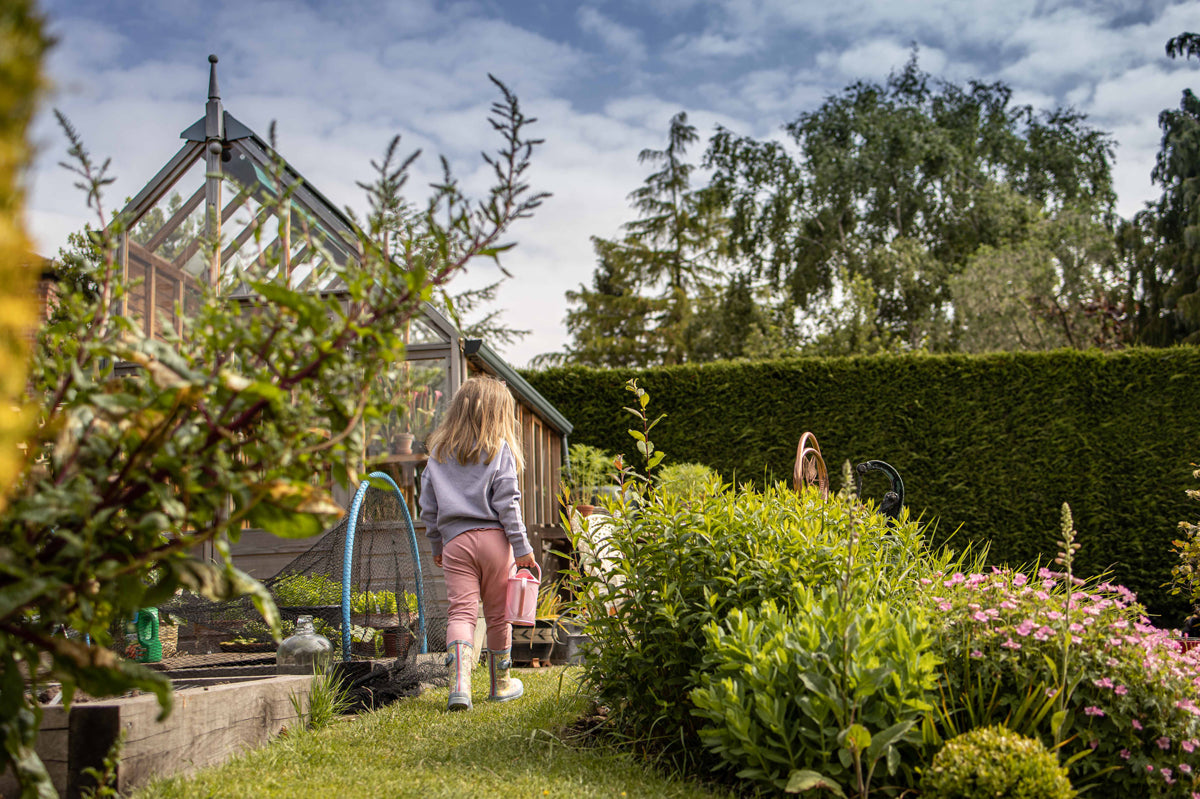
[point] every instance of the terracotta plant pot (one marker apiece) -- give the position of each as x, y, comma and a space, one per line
396, 642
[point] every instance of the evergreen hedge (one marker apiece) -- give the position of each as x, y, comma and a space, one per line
990, 446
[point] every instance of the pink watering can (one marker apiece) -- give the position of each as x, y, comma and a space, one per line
521, 604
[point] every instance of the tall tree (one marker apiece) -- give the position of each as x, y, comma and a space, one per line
1161, 245
1057, 287
655, 271
901, 183
612, 323
741, 319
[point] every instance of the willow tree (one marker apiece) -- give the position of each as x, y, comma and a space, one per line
899, 184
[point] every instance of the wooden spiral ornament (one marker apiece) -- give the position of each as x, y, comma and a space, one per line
810, 466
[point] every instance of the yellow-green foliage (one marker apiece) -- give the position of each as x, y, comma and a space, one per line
22, 44
995, 762
687, 481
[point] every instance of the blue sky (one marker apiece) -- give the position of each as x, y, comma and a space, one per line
603, 78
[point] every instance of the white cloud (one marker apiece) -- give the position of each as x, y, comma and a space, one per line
625, 43
685, 50
877, 58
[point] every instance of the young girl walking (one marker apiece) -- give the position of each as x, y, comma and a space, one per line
471, 506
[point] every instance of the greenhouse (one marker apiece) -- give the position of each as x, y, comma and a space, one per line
223, 186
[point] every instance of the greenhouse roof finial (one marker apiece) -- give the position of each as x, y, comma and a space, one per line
217, 123
214, 117
213, 94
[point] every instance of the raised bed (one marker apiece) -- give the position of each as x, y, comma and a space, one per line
208, 725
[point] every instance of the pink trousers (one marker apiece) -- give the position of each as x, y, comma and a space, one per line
478, 564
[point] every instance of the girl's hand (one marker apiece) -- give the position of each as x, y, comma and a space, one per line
526, 560
437, 561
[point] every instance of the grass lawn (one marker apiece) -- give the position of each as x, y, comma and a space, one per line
415, 748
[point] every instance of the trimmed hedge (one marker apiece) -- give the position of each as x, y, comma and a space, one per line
993, 444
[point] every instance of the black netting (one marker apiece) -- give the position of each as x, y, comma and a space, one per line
386, 616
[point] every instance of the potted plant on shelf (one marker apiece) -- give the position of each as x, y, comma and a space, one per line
590, 468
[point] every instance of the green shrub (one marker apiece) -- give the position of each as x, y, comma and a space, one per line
672, 572
828, 692
687, 481
995, 762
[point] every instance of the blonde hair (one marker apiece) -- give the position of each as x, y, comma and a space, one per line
482, 416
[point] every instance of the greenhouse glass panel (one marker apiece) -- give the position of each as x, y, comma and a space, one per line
421, 332
420, 390
171, 231
256, 231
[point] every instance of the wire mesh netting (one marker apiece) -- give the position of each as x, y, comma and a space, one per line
393, 611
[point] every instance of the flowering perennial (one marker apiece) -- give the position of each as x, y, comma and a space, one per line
1127, 691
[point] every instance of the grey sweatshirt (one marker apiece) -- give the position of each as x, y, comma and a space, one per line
456, 498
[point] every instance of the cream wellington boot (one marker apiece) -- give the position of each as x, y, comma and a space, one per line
504, 687
460, 659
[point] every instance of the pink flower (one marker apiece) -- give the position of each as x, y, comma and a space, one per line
1103, 682
955, 579
1120, 690
975, 653
979, 615
926, 581
1019, 579
1024, 628
1011, 644
945, 606
1008, 604
1137, 725
1166, 772
1092, 710
1185, 768
1124, 753
1164, 743
1189, 745
1054, 615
